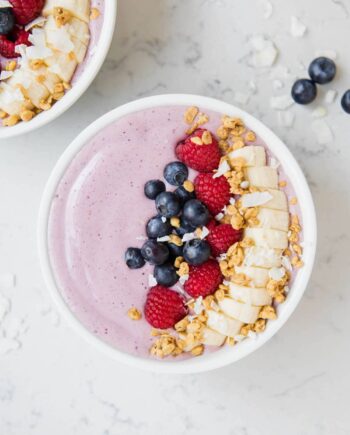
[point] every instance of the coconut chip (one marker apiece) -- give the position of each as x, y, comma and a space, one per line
330, 96
281, 102
255, 199
277, 273
286, 118
322, 131
264, 52
152, 281
297, 28
222, 169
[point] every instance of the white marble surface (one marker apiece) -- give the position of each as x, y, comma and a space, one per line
298, 383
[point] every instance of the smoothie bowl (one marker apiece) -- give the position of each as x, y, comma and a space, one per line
177, 233
50, 51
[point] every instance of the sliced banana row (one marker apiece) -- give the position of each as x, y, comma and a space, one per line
47, 67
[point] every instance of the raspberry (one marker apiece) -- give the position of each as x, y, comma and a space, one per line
222, 237
27, 10
213, 192
204, 280
164, 307
8, 44
202, 158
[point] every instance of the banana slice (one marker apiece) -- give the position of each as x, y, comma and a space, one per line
262, 257
259, 277
245, 313
253, 296
79, 8
75, 28
46, 78
212, 338
278, 200
252, 155
62, 64
267, 238
264, 176
274, 219
223, 324
11, 99
30, 86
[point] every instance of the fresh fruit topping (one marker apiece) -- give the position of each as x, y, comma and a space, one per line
322, 70
183, 194
167, 204
27, 10
156, 227
175, 250
204, 280
7, 20
153, 188
166, 275
195, 213
134, 258
196, 251
345, 101
304, 91
213, 192
221, 237
199, 151
154, 252
8, 43
176, 173
164, 307
185, 227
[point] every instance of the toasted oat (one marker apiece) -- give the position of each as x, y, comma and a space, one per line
189, 186
175, 222
2, 114
207, 138
250, 136
190, 114
184, 269
62, 16
222, 132
230, 341
178, 261
268, 312
27, 115
237, 144
259, 325
282, 184
293, 200
219, 295
11, 65
175, 239
11, 120
202, 119
95, 13
245, 329
196, 140
198, 350
224, 146
134, 313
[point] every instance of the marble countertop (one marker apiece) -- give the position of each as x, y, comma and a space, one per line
52, 382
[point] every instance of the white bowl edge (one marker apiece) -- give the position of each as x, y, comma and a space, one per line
79, 88
225, 355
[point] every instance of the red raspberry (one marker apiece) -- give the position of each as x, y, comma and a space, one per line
222, 237
164, 307
213, 192
27, 10
204, 280
202, 158
8, 46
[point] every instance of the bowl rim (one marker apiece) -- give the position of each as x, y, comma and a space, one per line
90, 72
218, 358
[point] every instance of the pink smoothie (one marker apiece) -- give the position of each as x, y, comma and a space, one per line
99, 210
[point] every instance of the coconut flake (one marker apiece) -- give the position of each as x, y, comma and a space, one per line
6, 75
189, 236
163, 219
183, 279
277, 273
281, 102
222, 257
297, 28
152, 281
141, 238
241, 98
264, 52
286, 262
286, 289
219, 216
198, 306
286, 118
274, 163
322, 131
319, 112
5, 4
204, 232
330, 96
37, 22
239, 338
255, 199
253, 335
232, 201
222, 169
163, 239
244, 184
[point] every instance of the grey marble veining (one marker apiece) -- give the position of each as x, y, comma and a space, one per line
298, 383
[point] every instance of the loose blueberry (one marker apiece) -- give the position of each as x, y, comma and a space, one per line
7, 20
154, 252
196, 251
134, 258
153, 188
157, 228
322, 70
175, 173
345, 101
195, 213
304, 91
166, 275
184, 195
167, 204
175, 250
185, 227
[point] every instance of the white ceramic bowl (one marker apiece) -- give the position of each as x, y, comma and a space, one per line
225, 355
83, 82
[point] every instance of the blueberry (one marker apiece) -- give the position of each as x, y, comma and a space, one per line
196, 251
134, 258
175, 173
345, 101
153, 188
195, 213
185, 227
7, 20
167, 204
157, 228
184, 195
304, 91
175, 250
322, 70
154, 252
166, 275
